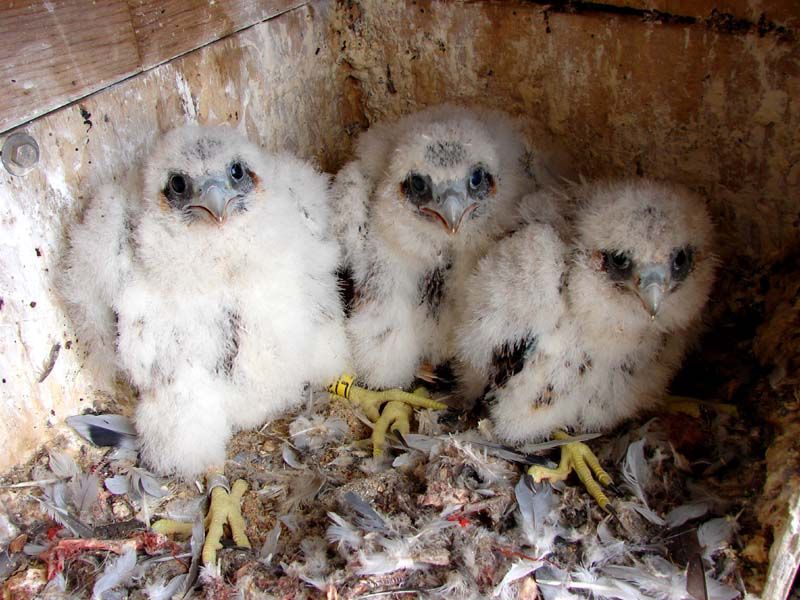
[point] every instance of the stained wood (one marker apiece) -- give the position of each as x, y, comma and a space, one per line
54, 52
725, 15
168, 29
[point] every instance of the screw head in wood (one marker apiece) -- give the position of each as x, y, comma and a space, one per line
20, 154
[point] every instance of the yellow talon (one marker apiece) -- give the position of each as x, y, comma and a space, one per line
224, 508
578, 457
397, 411
395, 417
170, 527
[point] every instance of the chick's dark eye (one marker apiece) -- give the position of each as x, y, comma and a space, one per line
177, 184
620, 261
476, 179
236, 171
418, 184
618, 265
682, 259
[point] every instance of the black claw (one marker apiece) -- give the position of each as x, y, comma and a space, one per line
612, 511
401, 438
614, 489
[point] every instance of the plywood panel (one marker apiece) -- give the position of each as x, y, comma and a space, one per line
277, 82
730, 14
168, 29
54, 52
628, 96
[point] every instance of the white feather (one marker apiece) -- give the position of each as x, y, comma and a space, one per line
117, 572
714, 535
518, 570
686, 512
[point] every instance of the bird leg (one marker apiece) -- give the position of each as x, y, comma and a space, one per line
396, 413
225, 507
578, 457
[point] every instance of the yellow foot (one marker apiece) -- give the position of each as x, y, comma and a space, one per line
396, 413
578, 457
225, 508
694, 407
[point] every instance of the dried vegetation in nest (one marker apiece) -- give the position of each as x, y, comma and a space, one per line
445, 514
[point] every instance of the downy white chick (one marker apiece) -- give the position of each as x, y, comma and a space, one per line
582, 330
214, 280
423, 200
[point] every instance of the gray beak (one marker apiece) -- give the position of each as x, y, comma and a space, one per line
450, 206
215, 198
652, 287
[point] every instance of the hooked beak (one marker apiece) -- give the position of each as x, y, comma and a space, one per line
450, 208
652, 288
215, 198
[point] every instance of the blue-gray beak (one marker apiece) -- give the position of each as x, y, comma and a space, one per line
653, 284
214, 198
450, 205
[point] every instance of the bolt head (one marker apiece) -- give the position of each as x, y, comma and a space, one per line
20, 153
25, 156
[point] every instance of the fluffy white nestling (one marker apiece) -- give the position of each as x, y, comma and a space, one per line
212, 282
422, 201
582, 325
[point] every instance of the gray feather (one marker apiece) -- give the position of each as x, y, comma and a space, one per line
65, 518
368, 519
105, 430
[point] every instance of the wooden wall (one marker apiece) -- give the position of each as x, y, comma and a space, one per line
55, 52
704, 92
278, 82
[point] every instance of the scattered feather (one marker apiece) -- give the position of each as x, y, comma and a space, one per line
136, 482
63, 465
316, 432
118, 485
161, 590
407, 460
106, 430
196, 546
342, 533
421, 443
304, 486
290, 521
713, 535
534, 507
686, 512
65, 518
636, 471
270, 547
659, 578
50, 362
117, 572
395, 557
290, 457
645, 511
368, 519
84, 491
517, 571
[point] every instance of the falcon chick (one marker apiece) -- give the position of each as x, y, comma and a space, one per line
581, 330
214, 281
422, 201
